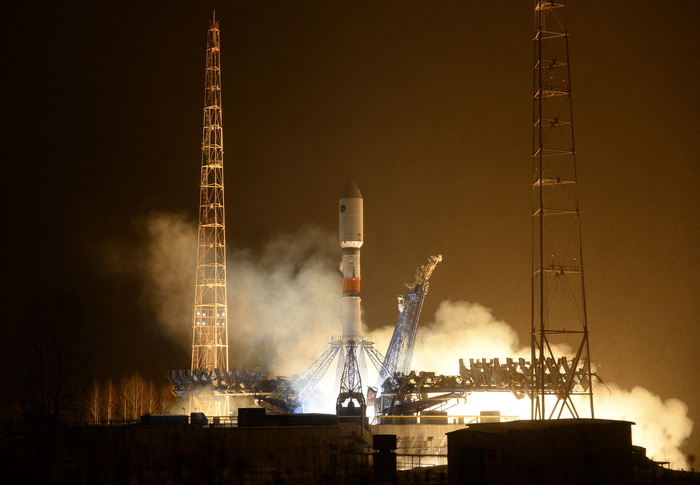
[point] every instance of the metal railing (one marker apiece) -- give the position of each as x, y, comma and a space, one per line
456, 419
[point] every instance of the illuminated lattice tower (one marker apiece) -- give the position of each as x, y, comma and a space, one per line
559, 324
209, 325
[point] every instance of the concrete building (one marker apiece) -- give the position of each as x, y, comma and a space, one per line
571, 451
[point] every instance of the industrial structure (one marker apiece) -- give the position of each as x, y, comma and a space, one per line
209, 382
550, 379
400, 352
209, 323
391, 367
558, 299
558, 296
351, 400
326, 448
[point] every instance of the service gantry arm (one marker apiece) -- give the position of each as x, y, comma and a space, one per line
400, 352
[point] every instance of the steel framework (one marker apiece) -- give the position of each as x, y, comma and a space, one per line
209, 323
312, 376
351, 386
559, 320
400, 351
396, 362
299, 389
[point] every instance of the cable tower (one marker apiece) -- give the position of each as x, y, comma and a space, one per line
559, 324
209, 325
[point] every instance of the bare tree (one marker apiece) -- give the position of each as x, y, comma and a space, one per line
131, 395
123, 397
136, 389
110, 400
150, 398
93, 401
54, 356
166, 399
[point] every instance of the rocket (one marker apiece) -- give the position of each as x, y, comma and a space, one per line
350, 238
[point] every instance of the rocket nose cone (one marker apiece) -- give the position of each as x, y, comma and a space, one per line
351, 191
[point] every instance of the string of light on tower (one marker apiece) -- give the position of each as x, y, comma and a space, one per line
210, 320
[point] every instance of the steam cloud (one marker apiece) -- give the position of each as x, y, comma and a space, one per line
465, 330
661, 426
285, 301
169, 263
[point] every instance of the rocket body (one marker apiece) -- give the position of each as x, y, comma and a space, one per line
351, 238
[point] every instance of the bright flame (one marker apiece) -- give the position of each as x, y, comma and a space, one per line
503, 402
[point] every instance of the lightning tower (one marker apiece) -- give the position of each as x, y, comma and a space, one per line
558, 298
209, 324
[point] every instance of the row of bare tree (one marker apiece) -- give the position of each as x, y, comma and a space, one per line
53, 364
127, 399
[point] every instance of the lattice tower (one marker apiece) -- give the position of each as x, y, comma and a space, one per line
558, 297
210, 325
351, 381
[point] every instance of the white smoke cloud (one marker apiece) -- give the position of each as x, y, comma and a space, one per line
169, 266
165, 264
463, 330
460, 330
661, 426
285, 301
469, 330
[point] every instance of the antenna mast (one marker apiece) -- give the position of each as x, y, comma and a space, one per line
559, 321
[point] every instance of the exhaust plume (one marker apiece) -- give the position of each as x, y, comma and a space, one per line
469, 330
284, 303
286, 300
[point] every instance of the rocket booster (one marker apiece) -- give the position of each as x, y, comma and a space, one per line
350, 238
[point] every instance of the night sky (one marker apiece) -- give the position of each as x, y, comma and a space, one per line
427, 105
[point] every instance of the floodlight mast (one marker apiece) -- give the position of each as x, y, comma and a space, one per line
558, 296
210, 319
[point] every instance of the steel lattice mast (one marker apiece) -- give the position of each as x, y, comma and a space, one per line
558, 297
209, 326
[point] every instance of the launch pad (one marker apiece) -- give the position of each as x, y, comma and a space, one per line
557, 280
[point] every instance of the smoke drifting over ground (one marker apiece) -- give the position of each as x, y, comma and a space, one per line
661, 426
463, 330
283, 301
165, 267
169, 263
469, 330
286, 300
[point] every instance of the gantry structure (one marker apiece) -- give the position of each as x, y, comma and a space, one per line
559, 320
400, 351
396, 363
209, 323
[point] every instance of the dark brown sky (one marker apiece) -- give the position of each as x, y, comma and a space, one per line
426, 104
